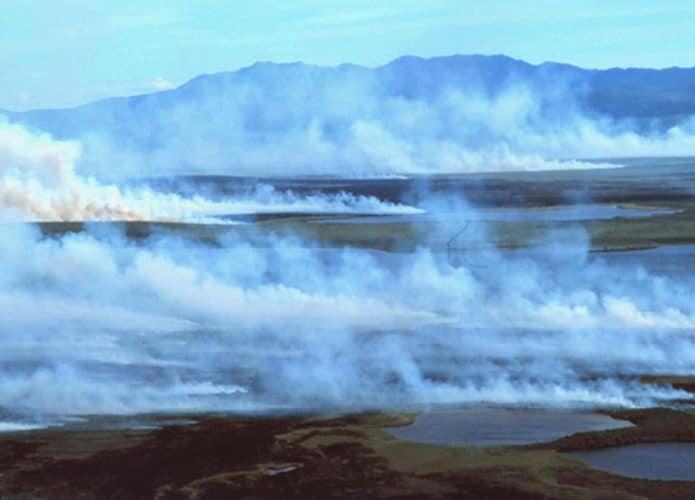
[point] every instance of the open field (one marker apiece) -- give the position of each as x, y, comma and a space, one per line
328, 457
309, 250
352, 456
484, 202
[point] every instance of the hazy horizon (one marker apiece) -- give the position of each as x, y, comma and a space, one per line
343, 64
139, 47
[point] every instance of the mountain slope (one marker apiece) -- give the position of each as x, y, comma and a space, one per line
302, 114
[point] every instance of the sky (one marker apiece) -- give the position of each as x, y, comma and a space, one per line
69, 52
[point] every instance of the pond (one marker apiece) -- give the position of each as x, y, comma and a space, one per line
664, 461
485, 426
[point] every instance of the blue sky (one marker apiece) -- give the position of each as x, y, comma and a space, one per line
67, 52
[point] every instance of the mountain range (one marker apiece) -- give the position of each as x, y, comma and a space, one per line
461, 98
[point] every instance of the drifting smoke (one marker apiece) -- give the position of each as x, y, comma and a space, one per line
270, 120
355, 132
38, 181
96, 323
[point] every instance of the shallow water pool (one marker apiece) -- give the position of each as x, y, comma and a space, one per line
487, 426
664, 461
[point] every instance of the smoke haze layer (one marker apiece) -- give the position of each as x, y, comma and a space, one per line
39, 182
414, 116
95, 323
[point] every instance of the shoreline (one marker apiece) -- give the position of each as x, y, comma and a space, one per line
324, 456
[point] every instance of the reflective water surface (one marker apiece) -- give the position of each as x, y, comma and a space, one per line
482, 426
664, 461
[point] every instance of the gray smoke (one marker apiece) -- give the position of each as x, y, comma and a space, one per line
412, 116
95, 323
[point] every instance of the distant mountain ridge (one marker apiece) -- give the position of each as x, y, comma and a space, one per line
460, 70
267, 103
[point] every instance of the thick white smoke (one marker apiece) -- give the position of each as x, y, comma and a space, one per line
39, 182
350, 128
97, 323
